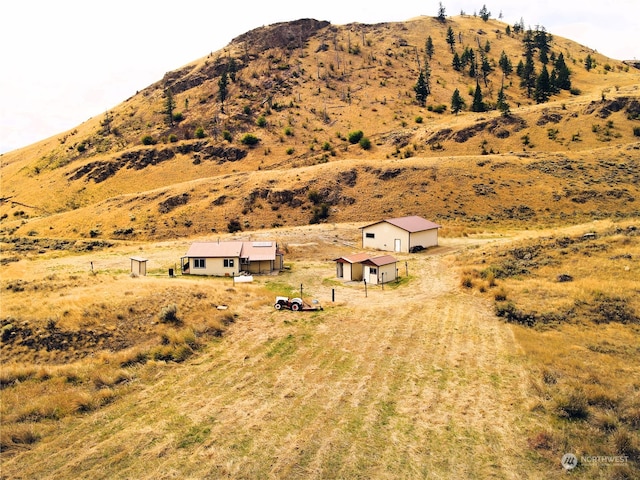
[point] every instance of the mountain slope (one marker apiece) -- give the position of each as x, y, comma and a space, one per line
300, 88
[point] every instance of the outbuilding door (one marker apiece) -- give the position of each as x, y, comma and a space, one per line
397, 245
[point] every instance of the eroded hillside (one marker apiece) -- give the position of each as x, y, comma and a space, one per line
277, 148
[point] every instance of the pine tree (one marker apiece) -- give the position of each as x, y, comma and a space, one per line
486, 69
428, 48
484, 13
451, 38
169, 105
232, 67
223, 91
441, 14
478, 104
502, 104
543, 86
589, 62
505, 64
542, 41
457, 102
456, 63
528, 76
422, 87
563, 80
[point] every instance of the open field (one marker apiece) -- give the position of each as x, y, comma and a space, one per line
416, 380
511, 344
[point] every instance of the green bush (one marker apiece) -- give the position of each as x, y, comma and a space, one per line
234, 226
199, 132
261, 121
365, 143
173, 138
249, 139
320, 213
418, 119
178, 117
636, 131
226, 134
355, 137
148, 140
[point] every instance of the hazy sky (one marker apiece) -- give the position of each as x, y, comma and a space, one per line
65, 61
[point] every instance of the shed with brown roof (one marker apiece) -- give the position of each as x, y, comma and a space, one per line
363, 266
401, 234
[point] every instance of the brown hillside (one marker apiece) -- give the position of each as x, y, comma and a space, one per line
300, 88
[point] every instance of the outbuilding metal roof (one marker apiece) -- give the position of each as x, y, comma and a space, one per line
411, 224
380, 261
254, 251
355, 258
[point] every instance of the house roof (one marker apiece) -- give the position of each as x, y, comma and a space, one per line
355, 258
254, 251
257, 251
380, 261
411, 224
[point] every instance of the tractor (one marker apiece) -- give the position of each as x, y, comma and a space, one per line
296, 304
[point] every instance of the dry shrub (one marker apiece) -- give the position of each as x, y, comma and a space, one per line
10, 374
169, 314
605, 421
572, 405
625, 443
106, 378
17, 436
543, 440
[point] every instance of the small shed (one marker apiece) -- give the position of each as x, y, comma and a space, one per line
349, 268
138, 266
379, 270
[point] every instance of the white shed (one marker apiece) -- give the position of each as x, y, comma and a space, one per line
138, 266
379, 270
400, 234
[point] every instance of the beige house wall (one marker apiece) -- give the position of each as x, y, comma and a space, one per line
215, 266
385, 237
426, 238
377, 278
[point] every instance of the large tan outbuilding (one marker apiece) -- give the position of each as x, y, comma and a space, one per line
400, 234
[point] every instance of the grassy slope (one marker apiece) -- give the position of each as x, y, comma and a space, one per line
379, 81
425, 392
376, 387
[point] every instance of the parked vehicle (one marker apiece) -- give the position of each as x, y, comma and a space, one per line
296, 304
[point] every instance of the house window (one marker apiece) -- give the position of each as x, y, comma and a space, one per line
199, 263
228, 263
370, 235
373, 271
244, 261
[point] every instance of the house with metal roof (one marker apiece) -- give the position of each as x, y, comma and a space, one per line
231, 258
363, 266
402, 234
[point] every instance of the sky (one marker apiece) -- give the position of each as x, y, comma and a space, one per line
65, 61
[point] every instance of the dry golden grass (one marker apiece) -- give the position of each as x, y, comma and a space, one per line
404, 381
582, 336
437, 183
417, 380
